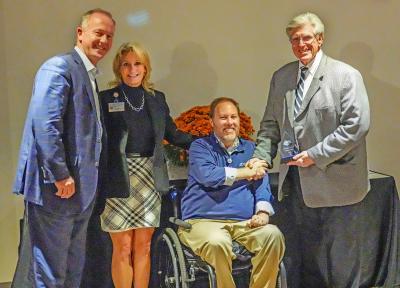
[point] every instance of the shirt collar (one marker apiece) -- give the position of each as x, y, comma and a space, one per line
230, 149
90, 68
313, 65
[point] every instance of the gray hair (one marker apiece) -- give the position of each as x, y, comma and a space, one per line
303, 19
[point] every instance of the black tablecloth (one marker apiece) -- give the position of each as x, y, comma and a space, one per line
380, 260
379, 227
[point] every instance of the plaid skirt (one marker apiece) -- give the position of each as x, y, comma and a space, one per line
143, 206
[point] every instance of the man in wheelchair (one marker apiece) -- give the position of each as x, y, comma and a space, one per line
222, 202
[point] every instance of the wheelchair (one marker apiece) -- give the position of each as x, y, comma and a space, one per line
176, 266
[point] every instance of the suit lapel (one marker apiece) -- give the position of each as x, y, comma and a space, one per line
315, 84
84, 76
291, 93
156, 116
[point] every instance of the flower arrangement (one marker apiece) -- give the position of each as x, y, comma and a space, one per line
197, 122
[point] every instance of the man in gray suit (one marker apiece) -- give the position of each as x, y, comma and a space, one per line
317, 115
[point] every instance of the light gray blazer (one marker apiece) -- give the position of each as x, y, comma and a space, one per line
331, 126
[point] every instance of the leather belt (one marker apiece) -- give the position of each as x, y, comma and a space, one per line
138, 155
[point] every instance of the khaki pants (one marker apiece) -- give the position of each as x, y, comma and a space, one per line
212, 241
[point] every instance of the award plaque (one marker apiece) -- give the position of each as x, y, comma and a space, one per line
289, 148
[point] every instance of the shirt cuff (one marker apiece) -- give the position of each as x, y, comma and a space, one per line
230, 176
265, 206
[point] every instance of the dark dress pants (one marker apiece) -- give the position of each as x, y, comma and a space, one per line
22, 277
322, 247
97, 271
57, 247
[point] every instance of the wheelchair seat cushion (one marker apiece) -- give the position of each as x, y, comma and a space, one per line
242, 254
242, 261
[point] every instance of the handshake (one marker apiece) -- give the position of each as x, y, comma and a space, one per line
255, 169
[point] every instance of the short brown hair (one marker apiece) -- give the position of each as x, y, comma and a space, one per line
219, 100
86, 15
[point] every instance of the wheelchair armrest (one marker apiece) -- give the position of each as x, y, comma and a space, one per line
171, 191
180, 223
174, 199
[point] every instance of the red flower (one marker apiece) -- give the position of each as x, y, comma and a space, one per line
197, 122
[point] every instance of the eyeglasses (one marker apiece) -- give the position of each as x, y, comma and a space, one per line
307, 39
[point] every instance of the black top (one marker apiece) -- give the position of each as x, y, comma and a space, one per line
138, 121
114, 149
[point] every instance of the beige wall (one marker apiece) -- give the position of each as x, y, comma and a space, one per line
200, 49
8, 209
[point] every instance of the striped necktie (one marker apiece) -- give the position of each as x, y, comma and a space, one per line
300, 91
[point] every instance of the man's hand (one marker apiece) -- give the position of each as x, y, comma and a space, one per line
254, 171
302, 160
65, 187
251, 162
259, 219
259, 166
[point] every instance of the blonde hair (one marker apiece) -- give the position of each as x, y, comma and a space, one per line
303, 19
144, 58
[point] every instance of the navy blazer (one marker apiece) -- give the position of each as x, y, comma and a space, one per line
61, 137
117, 132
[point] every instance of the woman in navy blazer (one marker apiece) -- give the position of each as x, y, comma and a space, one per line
137, 120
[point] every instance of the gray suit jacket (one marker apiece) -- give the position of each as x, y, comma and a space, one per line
331, 126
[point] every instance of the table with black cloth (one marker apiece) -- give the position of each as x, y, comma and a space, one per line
380, 224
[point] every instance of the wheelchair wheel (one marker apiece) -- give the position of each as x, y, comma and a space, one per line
181, 258
171, 262
282, 281
171, 276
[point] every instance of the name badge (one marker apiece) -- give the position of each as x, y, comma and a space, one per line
116, 107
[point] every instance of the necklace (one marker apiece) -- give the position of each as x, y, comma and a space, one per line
136, 109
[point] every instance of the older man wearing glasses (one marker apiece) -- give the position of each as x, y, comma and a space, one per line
317, 115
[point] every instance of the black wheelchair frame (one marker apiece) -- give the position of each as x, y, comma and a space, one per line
176, 266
